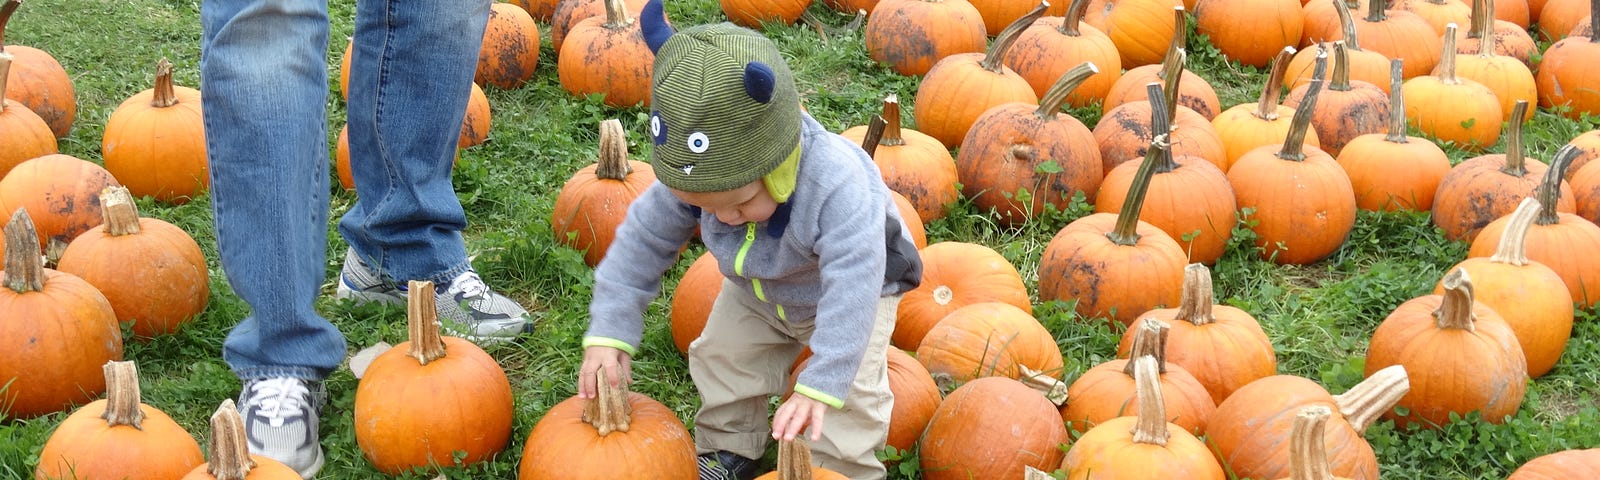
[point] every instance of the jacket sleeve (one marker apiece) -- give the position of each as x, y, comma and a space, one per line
851, 255
647, 243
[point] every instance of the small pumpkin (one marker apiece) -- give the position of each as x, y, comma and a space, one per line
1347, 108
1507, 77
991, 427
38, 81
1110, 389
509, 54
582, 439
474, 125
1439, 13
118, 437
1568, 74
1452, 108
1140, 29
960, 87
691, 303
1394, 171
1529, 296
912, 36
569, 12
593, 203
27, 135
1053, 45
1222, 346
1556, 239
955, 275
1251, 32
1394, 33
912, 163
152, 272
916, 396
607, 55
1360, 63
61, 192
540, 10
229, 450
987, 339
1245, 126
1559, 465
1487, 187
794, 463
1146, 443
155, 143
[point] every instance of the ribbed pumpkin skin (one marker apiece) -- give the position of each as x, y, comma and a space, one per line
599, 57
955, 275
510, 51
1123, 135
593, 208
1565, 247
564, 447
27, 135
988, 339
1439, 13
1242, 131
61, 193
1223, 356
158, 151
1194, 201
958, 90
1321, 19
692, 299
1509, 40
1365, 65
1476, 192
1141, 29
991, 427
916, 397
752, 13
157, 278
1399, 34
569, 12
1343, 115
38, 81
1509, 80
1100, 452
540, 10
1467, 113
1043, 53
1560, 466
1304, 209
921, 169
410, 415
1559, 17
999, 13
915, 227
1532, 299
68, 326
1105, 392
1586, 191
1250, 31
1569, 76
1107, 279
1394, 176
1193, 91
1249, 431
911, 36
1451, 370
265, 469
85, 446
1588, 145
1003, 150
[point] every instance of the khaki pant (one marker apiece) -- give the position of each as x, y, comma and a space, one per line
742, 359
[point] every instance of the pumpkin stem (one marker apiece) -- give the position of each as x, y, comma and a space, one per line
1484, 28
1375, 11
1053, 388
118, 211
6, 9
1308, 453
1347, 22
423, 324
1179, 43
1594, 22
1058, 92
871, 140
162, 94
5, 72
993, 59
1070, 22
1516, 163
610, 410
1549, 190
1365, 402
1149, 341
1455, 311
1397, 104
1476, 20
1151, 428
1513, 240
617, 15
891, 117
1126, 232
1446, 70
1030, 473
1294, 143
1341, 68
794, 460
1172, 74
613, 163
1197, 297
229, 450
1267, 105
122, 395
24, 266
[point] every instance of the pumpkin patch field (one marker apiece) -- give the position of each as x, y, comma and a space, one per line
1182, 238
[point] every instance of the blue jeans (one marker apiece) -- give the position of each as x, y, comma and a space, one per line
264, 79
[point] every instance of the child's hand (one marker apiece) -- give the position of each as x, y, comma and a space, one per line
795, 414
616, 363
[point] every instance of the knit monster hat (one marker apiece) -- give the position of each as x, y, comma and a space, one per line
725, 110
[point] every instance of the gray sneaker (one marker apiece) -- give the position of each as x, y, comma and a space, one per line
466, 306
280, 421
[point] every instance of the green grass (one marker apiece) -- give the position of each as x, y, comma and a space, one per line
1318, 316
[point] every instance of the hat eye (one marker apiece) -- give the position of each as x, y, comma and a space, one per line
658, 128
698, 143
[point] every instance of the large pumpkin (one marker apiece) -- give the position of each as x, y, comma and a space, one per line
229, 450
1557, 239
510, 50
152, 272
1569, 75
1251, 32
617, 434
56, 331
37, 81
60, 192
991, 427
1347, 108
607, 55
912, 36
1145, 445
118, 437
912, 163
1528, 295
955, 275
27, 135
1394, 33
1110, 389
960, 87
1222, 346
1053, 45
1394, 171
916, 396
593, 203
1483, 188
999, 13
155, 141
431, 400
988, 339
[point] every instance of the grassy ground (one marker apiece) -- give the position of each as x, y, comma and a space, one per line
1318, 316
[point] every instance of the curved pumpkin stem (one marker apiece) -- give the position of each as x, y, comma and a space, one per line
1151, 428
1341, 68
122, 395
1070, 22
617, 15
118, 211
1513, 240
1149, 341
1549, 190
1397, 104
1375, 11
891, 117
229, 450
1058, 92
1365, 402
1308, 453
1483, 29
162, 94
1179, 43
1198, 296
423, 324
24, 265
1516, 163
1455, 311
6, 9
1446, 70
1347, 22
1172, 77
1126, 232
1267, 105
993, 58
794, 460
613, 163
874, 136
1294, 143
609, 411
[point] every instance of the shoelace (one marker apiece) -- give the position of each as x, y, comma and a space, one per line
469, 285
279, 398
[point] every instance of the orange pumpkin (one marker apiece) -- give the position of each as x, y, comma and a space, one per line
510, 51
61, 192
1141, 29
1560, 465
1360, 64
1109, 390
418, 406
1245, 126
1568, 74
1586, 185
1557, 239
229, 450
1193, 90
1507, 77
851, 6
1322, 18
1558, 18
1146, 443
27, 135
37, 81
607, 56
1347, 108
1308, 452
988, 339
118, 437
958, 89
1588, 145
753, 13
1484, 188
1514, 11
1250, 430
1439, 13
1053, 45
582, 439
991, 427
569, 12
1123, 131
912, 36
540, 10
1510, 39
50, 318
913, 221
912, 163
593, 203
1001, 165
691, 300
999, 13
1463, 356
1395, 34
916, 396
1222, 346
1453, 108
794, 463
1251, 32
155, 141
955, 275
1529, 296
1393, 171
151, 271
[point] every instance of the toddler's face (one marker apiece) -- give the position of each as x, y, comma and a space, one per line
750, 203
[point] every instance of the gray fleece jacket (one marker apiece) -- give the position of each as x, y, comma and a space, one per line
826, 256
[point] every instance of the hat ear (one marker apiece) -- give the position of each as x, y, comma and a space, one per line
653, 25
759, 81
